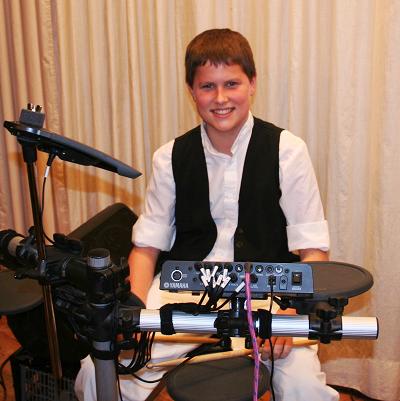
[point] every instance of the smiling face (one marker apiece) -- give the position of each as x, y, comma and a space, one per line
222, 94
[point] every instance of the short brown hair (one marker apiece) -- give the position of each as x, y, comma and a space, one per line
219, 46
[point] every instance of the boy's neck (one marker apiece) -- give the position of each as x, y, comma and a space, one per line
221, 142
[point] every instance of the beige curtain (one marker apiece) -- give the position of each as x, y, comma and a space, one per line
110, 74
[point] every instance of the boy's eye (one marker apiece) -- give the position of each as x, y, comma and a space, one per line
231, 84
207, 85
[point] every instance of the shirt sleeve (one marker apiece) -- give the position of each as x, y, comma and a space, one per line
155, 227
300, 200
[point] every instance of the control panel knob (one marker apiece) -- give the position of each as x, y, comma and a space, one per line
176, 275
234, 277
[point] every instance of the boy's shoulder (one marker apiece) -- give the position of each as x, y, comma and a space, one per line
266, 126
287, 141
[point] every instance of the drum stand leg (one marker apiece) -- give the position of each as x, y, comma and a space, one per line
30, 157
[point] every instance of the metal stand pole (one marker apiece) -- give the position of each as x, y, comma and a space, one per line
98, 264
30, 156
106, 376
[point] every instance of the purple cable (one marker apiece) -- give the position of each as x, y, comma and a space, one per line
256, 354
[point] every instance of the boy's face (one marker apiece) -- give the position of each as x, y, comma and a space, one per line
222, 95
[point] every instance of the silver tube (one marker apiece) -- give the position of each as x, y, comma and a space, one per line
360, 327
13, 244
183, 322
282, 325
290, 326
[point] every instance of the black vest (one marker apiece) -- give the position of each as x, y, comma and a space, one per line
261, 231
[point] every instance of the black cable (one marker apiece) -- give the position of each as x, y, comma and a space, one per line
41, 215
187, 359
271, 386
147, 381
211, 304
200, 351
202, 298
141, 356
271, 291
49, 162
232, 297
214, 295
218, 296
118, 381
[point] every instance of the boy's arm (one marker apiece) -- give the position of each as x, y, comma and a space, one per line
142, 263
313, 255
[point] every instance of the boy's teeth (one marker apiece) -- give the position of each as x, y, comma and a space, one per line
222, 111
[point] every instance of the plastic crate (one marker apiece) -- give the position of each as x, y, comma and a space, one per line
37, 385
33, 380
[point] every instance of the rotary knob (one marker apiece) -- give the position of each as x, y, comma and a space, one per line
176, 275
234, 277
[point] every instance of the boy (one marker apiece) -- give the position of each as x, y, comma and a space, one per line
235, 188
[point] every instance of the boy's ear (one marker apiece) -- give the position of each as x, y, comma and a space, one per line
190, 89
253, 83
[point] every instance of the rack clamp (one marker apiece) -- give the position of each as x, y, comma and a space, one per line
326, 321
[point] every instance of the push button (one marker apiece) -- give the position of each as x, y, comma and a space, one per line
296, 278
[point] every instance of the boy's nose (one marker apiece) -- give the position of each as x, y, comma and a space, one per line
221, 96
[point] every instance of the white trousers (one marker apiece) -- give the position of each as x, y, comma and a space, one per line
296, 378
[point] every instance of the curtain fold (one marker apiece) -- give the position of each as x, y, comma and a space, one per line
110, 74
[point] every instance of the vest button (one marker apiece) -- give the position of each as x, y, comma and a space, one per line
240, 231
239, 244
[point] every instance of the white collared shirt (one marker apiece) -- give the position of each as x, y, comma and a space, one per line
300, 200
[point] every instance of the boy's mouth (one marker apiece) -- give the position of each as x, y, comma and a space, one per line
222, 112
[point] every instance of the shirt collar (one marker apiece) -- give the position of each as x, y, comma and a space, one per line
244, 134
